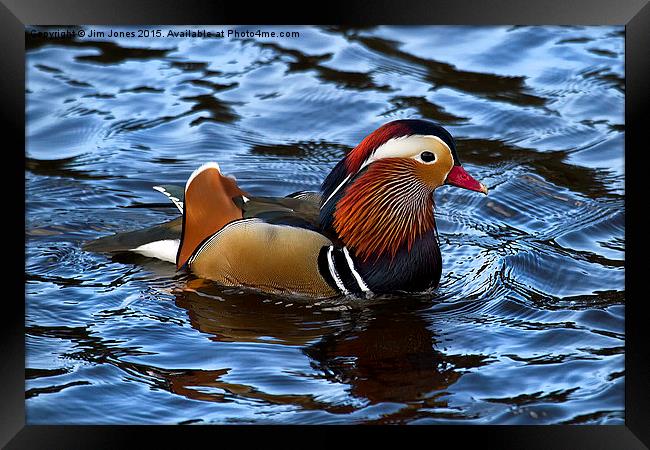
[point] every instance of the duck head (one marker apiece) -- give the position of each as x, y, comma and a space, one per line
379, 199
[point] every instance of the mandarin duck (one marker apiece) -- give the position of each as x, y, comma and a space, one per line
371, 229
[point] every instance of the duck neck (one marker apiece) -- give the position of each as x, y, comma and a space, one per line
383, 210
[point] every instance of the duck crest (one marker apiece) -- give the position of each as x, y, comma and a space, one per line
392, 130
355, 159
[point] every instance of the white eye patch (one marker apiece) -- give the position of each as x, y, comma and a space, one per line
408, 147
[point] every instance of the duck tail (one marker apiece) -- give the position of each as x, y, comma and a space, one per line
208, 207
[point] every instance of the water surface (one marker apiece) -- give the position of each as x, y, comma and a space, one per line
527, 326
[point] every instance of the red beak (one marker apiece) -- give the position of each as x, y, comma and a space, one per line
458, 177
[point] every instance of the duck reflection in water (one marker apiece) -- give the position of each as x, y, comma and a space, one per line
385, 354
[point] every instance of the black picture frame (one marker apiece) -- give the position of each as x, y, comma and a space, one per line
16, 14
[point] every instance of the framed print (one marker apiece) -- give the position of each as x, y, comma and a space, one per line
427, 216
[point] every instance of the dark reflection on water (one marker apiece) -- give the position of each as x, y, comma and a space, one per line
527, 326
439, 74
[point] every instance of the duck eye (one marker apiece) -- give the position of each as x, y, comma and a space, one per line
427, 157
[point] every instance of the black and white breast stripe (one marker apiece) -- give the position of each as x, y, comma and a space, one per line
337, 267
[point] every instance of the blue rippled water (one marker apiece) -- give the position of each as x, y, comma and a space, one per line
527, 326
